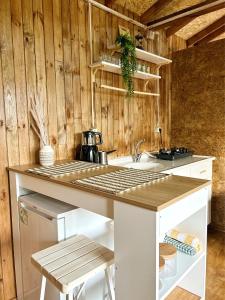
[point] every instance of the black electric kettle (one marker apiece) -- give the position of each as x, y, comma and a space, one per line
92, 137
89, 149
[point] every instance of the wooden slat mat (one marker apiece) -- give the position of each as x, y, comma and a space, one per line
65, 168
122, 180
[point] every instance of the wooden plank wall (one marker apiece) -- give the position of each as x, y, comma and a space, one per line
44, 50
198, 112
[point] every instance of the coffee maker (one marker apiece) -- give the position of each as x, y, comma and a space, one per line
89, 150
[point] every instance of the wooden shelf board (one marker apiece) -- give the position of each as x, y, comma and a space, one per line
113, 68
147, 56
111, 88
185, 264
153, 58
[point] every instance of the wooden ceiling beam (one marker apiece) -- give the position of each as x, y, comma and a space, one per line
154, 9
212, 36
206, 31
193, 11
176, 27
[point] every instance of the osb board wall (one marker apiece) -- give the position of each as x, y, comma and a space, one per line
140, 7
44, 50
198, 111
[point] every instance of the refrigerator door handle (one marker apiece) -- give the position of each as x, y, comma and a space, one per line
24, 209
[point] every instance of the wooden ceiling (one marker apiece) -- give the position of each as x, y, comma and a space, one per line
196, 21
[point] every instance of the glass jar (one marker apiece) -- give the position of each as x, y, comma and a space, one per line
147, 69
139, 67
169, 253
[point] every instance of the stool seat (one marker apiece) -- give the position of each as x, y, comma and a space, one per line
72, 262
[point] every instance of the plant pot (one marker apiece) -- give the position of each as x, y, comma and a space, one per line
46, 156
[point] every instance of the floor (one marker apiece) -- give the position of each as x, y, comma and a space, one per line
215, 289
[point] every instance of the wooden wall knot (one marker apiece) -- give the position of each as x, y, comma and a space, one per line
68, 113
9, 128
28, 38
61, 69
21, 126
82, 45
49, 64
1, 123
69, 69
54, 141
37, 14
15, 21
76, 71
3, 195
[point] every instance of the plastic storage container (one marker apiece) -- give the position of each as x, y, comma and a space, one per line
169, 254
161, 270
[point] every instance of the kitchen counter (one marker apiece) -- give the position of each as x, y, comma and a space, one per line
155, 196
159, 165
195, 166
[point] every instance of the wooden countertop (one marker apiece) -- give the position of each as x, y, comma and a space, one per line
154, 197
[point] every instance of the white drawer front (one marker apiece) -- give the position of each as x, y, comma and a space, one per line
171, 216
181, 171
201, 170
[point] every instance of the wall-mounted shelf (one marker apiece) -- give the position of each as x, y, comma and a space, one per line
146, 56
113, 68
153, 58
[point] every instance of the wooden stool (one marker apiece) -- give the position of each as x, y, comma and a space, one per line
69, 264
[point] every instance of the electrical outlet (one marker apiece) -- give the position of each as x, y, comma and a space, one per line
150, 35
158, 129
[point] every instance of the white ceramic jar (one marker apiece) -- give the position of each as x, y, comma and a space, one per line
46, 156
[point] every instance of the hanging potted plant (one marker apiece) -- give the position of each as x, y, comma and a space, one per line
128, 60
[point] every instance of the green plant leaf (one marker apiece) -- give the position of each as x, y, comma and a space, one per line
128, 61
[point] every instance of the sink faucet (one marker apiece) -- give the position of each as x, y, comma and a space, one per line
137, 154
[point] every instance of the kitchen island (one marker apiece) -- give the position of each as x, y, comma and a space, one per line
142, 215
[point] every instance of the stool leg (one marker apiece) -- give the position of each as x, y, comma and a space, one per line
110, 284
43, 286
81, 290
69, 296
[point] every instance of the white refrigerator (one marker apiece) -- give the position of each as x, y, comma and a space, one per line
45, 221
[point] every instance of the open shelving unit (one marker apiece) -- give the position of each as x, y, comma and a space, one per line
191, 270
116, 69
185, 264
188, 215
146, 56
149, 57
